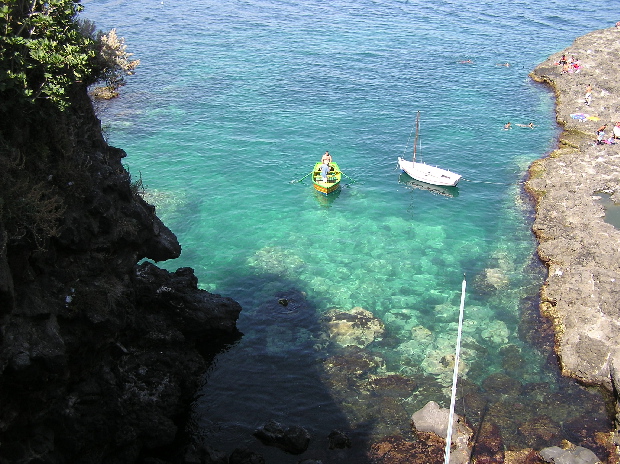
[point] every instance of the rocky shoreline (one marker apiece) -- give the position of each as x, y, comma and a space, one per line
581, 250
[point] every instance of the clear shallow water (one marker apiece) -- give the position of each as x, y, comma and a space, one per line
234, 100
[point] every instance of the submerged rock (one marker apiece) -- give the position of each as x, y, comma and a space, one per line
356, 327
351, 367
245, 456
366, 393
512, 359
496, 332
276, 260
393, 385
525, 456
428, 449
338, 440
293, 439
501, 384
592, 433
496, 278
540, 431
577, 455
489, 447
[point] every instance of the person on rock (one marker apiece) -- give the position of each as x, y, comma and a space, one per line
588, 94
616, 131
600, 134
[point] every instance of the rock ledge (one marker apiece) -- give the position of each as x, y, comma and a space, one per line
581, 250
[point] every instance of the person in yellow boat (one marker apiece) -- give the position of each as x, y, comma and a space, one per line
324, 170
327, 158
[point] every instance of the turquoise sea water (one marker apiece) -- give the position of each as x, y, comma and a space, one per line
234, 100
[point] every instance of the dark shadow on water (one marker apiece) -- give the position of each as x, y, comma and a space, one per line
285, 369
411, 183
275, 372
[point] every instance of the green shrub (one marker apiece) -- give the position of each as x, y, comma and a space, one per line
42, 51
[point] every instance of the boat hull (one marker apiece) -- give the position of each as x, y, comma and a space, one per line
333, 179
429, 174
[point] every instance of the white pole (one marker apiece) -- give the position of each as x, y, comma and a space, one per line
455, 375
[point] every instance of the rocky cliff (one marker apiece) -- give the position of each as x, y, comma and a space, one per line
100, 356
582, 294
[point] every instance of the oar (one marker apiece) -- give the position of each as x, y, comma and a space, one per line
295, 181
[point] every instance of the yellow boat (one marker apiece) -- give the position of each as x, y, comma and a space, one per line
331, 183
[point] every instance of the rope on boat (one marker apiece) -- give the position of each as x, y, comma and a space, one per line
408, 138
455, 375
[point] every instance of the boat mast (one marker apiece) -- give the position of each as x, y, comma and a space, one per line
417, 130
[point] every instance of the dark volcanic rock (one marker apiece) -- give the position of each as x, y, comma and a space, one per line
245, 456
195, 454
100, 358
338, 440
179, 294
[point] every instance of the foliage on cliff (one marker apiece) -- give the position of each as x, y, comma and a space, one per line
42, 51
114, 61
47, 57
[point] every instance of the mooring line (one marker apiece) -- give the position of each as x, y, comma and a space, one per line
494, 183
455, 375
